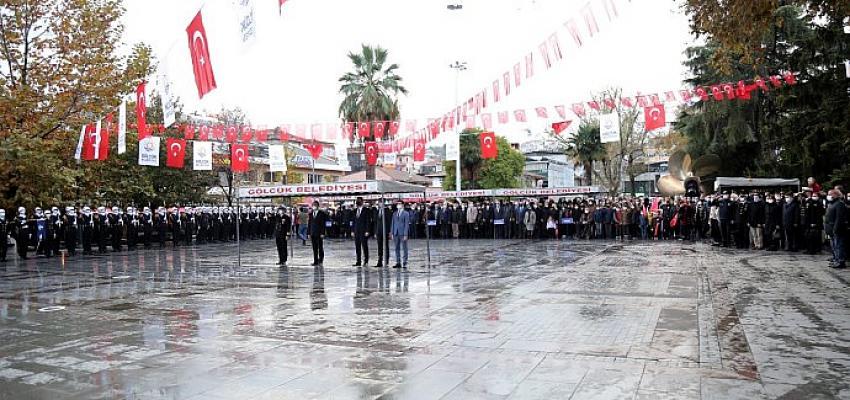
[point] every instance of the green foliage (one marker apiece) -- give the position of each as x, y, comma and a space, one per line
505, 171
794, 131
584, 147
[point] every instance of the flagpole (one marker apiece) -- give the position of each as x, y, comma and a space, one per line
238, 217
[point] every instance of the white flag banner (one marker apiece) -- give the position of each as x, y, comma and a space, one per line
277, 158
122, 127
247, 21
149, 151
453, 148
96, 142
390, 159
847, 67
79, 153
609, 128
202, 156
167, 97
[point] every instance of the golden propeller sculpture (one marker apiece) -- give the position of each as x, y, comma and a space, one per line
686, 174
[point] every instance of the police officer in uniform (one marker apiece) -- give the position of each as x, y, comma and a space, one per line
282, 230
175, 225
101, 229
56, 219
87, 221
160, 224
51, 234
189, 224
4, 235
116, 228
22, 233
131, 221
147, 226
38, 227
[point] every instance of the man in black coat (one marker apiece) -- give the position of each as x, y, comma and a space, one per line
725, 216
756, 222
812, 220
835, 225
316, 230
282, 230
363, 224
790, 221
772, 223
383, 219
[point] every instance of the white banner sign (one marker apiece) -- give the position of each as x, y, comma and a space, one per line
149, 151
453, 148
122, 127
202, 156
78, 154
390, 159
308, 190
165, 90
609, 128
277, 158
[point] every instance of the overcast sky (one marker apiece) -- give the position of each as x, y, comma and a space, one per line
289, 73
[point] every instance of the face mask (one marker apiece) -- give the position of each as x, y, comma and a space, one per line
725, 196
829, 198
815, 198
788, 199
2, 214
756, 199
398, 207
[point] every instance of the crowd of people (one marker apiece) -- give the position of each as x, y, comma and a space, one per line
769, 221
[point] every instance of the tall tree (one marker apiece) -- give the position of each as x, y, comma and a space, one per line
370, 90
59, 68
584, 148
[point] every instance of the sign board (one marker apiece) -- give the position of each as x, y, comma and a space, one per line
308, 190
609, 128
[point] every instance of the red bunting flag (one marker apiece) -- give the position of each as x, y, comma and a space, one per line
90, 143
656, 101
670, 96
529, 65
247, 134
578, 109
544, 53
559, 127
434, 128
655, 117
488, 145
497, 92
517, 71
315, 150
199, 49
280, 4
141, 111
378, 128
685, 95
419, 150
555, 45
394, 127
363, 130
519, 116
239, 157
506, 82
204, 133
572, 27
627, 102
470, 122
562, 111
487, 121
594, 105
188, 132
410, 125
542, 112
503, 117
609, 103
103, 142
176, 153
589, 19
283, 134
371, 150
231, 133
262, 135
642, 101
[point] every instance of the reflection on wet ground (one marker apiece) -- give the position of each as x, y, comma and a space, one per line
506, 319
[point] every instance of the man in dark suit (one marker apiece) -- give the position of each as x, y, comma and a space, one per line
282, 230
499, 218
316, 230
383, 223
363, 225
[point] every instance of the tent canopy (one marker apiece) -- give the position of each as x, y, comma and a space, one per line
733, 182
330, 189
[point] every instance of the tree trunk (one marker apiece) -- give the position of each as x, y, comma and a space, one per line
588, 173
370, 172
632, 183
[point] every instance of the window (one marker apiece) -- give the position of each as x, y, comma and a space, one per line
315, 178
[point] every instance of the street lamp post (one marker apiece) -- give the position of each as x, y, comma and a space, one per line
458, 66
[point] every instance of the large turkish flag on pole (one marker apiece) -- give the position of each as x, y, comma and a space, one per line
142, 111
199, 49
488, 145
176, 153
654, 118
239, 157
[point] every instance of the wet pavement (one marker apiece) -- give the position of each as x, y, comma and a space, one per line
489, 320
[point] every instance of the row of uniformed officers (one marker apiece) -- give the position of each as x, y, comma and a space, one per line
46, 231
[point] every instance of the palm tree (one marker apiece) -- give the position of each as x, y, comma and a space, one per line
370, 90
585, 147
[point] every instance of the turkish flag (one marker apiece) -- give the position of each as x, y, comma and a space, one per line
529, 65
594, 105
544, 53
232, 133
315, 150
160, 128
371, 149
90, 140
434, 128
562, 111
176, 152
572, 26
239, 157
188, 132
609, 103
247, 134
348, 129
394, 126
542, 112
103, 142
642, 101
578, 109
487, 121
559, 127
656, 101
488, 145
655, 117
497, 93
141, 111
283, 134
519, 116
517, 78
627, 102
378, 129
363, 129
506, 81
470, 122
503, 117
685, 94
419, 150
262, 136
670, 96
201, 64
204, 133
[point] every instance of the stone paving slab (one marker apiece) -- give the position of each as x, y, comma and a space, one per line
488, 320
